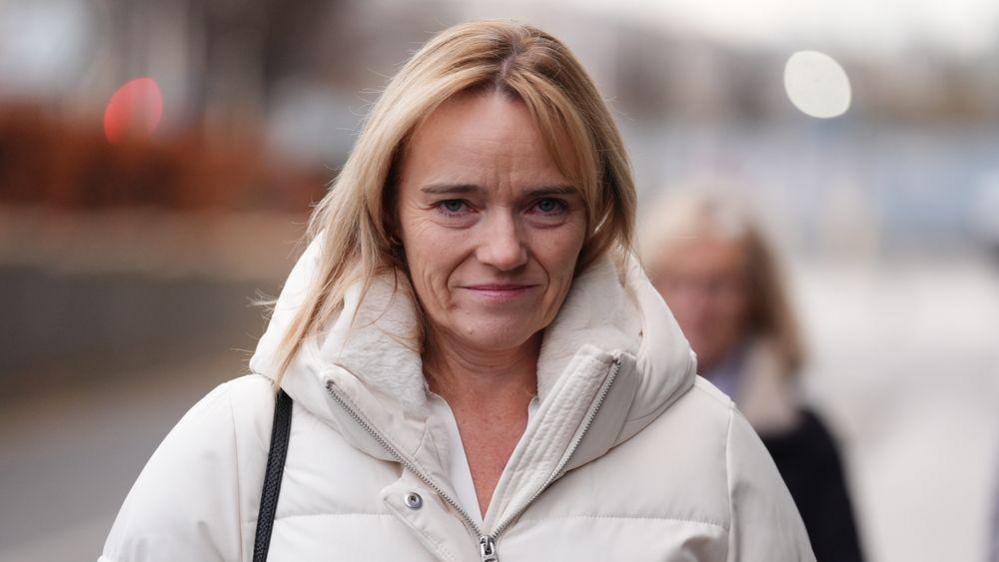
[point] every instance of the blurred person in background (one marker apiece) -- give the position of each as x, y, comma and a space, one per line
710, 261
478, 367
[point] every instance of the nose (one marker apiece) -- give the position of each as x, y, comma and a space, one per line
501, 243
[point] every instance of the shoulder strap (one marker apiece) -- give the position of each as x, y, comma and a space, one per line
272, 478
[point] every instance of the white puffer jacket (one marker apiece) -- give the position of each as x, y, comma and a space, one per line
629, 457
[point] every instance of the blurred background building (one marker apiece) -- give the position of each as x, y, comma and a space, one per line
158, 161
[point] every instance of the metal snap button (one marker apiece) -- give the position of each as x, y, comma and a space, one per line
413, 500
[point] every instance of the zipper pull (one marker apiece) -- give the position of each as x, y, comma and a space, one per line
487, 549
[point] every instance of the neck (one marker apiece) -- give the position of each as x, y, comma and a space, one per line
487, 381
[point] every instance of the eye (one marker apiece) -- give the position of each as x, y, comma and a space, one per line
452, 206
551, 206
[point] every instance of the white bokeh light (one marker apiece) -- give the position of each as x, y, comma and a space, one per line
817, 85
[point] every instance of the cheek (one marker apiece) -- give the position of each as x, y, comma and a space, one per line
432, 255
737, 314
558, 253
694, 311
682, 305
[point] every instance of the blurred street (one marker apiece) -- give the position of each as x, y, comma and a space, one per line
906, 365
111, 349
80, 445
910, 385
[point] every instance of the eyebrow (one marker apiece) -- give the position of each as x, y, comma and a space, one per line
552, 190
465, 188
443, 188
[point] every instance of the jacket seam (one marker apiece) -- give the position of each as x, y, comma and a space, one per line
235, 448
631, 517
344, 514
728, 478
426, 436
439, 544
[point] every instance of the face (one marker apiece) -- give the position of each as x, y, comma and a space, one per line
705, 285
490, 227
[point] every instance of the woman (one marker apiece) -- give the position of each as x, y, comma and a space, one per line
711, 263
479, 368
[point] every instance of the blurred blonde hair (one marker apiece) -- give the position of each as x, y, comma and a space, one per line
516, 60
687, 216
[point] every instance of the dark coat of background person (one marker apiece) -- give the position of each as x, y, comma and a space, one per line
808, 460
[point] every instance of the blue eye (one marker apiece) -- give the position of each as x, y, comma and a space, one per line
451, 206
550, 206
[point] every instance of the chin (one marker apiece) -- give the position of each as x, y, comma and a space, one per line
498, 334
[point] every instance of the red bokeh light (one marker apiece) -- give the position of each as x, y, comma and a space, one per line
134, 111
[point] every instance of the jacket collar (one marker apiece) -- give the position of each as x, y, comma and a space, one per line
373, 364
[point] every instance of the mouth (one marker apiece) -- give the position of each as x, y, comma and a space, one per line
500, 291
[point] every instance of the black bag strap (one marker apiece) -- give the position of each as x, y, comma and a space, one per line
272, 478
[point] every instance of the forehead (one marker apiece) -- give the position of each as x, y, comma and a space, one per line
704, 254
488, 140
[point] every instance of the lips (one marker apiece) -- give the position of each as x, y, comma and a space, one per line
500, 292
498, 287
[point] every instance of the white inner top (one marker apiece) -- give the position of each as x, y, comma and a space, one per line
461, 475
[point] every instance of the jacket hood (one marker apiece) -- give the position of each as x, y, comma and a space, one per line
368, 355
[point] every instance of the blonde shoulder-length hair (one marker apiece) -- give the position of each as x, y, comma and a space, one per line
688, 215
520, 61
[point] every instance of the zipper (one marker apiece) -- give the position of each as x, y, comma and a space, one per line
572, 450
330, 387
487, 549
487, 542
